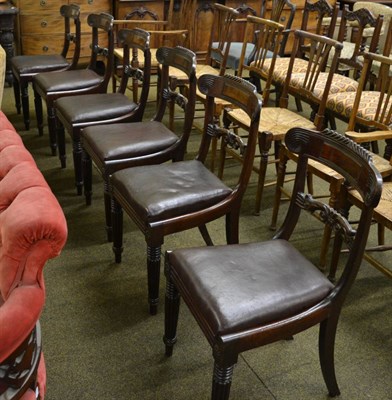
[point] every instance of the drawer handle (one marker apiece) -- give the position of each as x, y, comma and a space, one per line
44, 24
45, 48
42, 3
283, 19
90, 1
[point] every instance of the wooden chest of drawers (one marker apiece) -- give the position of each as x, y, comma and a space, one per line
40, 28
203, 18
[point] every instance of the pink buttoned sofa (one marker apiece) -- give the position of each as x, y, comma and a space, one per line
32, 230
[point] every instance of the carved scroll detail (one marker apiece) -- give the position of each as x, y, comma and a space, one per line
328, 215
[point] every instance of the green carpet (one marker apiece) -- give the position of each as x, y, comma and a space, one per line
101, 343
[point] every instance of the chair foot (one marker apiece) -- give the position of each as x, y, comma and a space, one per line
221, 382
109, 230
88, 197
63, 162
117, 254
169, 345
153, 306
168, 351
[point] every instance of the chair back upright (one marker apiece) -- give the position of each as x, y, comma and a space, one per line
240, 94
221, 35
183, 21
304, 85
277, 8
323, 13
135, 42
378, 9
71, 12
378, 115
170, 92
267, 44
101, 59
353, 25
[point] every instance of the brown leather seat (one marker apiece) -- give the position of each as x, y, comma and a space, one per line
247, 295
39, 63
204, 189
255, 285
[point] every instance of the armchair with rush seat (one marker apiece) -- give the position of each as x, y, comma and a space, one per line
244, 296
313, 11
276, 121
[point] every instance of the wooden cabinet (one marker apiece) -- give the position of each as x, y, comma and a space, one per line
40, 28
204, 16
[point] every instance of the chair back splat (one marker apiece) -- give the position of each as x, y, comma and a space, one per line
244, 296
101, 23
70, 13
135, 41
352, 33
222, 31
370, 113
277, 8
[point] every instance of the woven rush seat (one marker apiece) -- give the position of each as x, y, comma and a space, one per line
201, 69
383, 212
119, 53
275, 120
